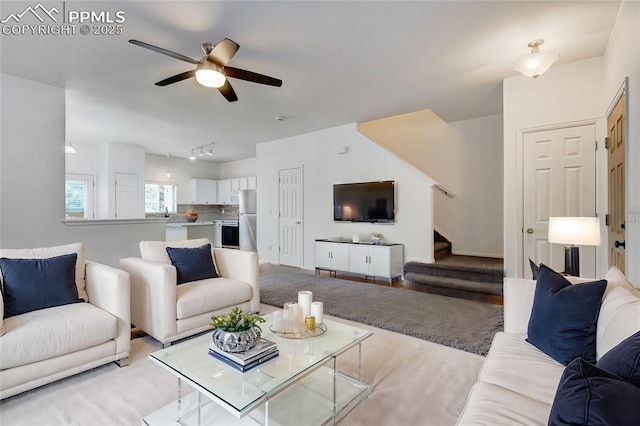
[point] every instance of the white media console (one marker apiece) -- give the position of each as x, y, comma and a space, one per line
371, 260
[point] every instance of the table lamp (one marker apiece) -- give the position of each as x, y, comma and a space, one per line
573, 232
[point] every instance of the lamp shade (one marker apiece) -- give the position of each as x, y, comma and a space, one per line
579, 231
536, 64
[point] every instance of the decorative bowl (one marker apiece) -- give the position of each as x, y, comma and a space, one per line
191, 218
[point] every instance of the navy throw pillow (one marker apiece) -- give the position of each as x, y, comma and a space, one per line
32, 284
588, 395
623, 360
564, 317
534, 269
192, 264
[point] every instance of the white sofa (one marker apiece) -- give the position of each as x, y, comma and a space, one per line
518, 382
169, 312
45, 345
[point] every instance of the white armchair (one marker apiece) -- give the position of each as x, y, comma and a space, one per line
169, 312
44, 345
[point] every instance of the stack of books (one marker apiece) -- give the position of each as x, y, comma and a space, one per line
262, 352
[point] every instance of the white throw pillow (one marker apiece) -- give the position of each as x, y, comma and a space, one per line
619, 317
156, 251
46, 252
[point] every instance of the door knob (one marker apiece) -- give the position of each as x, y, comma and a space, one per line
297, 223
619, 244
622, 226
529, 230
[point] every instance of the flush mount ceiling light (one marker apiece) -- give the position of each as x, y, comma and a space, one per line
210, 75
192, 156
69, 149
538, 62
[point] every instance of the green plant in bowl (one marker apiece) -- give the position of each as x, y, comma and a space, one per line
236, 320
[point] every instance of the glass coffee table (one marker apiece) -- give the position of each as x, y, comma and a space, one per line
301, 386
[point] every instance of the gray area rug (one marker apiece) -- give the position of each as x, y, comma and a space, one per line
458, 323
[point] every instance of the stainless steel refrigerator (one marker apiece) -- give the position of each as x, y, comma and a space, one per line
247, 219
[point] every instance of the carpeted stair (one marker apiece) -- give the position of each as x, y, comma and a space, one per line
453, 274
441, 246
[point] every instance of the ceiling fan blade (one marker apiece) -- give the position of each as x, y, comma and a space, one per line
223, 52
227, 91
164, 51
176, 78
253, 77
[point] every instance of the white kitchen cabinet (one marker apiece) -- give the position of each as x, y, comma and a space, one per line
252, 182
204, 191
365, 259
332, 256
224, 191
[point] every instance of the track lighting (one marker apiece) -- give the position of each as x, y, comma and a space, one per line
69, 149
201, 151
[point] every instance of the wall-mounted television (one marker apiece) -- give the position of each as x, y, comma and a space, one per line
364, 202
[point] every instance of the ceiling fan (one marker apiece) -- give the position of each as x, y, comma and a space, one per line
212, 69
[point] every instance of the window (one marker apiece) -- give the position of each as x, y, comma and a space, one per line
78, 196
160, 197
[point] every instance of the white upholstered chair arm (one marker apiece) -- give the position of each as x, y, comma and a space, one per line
108, 289
242, 266
518, 301
153, 296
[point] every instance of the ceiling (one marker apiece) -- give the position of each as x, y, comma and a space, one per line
341, 62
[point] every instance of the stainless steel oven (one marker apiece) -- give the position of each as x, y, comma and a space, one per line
230, 234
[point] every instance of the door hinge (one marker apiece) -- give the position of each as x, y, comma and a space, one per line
606, 143
596, 145
606, 220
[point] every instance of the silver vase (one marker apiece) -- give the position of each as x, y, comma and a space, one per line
235, 341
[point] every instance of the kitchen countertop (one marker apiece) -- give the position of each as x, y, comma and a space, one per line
204, 223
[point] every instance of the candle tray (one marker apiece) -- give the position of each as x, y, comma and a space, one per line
304, 334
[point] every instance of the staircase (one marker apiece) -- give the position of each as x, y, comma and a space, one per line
469, 277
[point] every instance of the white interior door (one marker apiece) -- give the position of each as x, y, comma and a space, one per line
126, 195
559, 180
290, 224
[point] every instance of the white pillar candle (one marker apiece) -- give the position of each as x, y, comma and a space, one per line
288, 316
304, 300
317, 311
277, 317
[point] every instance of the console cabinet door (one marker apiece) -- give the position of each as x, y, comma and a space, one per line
323, 255
379, 261
340, 257
359, 259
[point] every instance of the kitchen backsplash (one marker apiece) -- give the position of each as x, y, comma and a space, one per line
206, 212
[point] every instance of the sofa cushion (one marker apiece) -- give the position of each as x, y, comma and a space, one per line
493, 405
564, 316
624, 360
199, 297
619, 317
46, 252
516, 365
588, 395
31, 284
156, 251
192, 264
47, 333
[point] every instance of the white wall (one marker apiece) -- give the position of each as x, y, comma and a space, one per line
622, 59
468, 156
32, 167
239, 168
182, 170
317, 154
465, 157
565, 94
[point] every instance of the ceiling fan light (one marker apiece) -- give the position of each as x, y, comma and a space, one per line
210, 75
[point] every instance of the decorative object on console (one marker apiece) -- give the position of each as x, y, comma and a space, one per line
237, 331
564, 317
376, 238
574, 231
